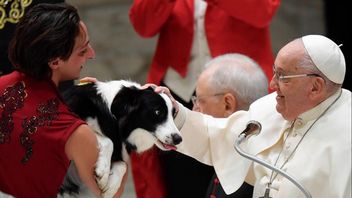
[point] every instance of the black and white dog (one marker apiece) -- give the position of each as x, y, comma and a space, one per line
125, 118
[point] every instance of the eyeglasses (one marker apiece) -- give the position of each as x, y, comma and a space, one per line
284, 78
197, 99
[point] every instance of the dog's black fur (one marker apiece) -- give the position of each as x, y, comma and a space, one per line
131, 108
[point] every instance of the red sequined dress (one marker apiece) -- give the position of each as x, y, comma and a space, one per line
35, 124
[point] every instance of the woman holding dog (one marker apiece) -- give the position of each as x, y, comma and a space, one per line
39, 135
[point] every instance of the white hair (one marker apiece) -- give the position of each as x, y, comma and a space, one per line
240, 75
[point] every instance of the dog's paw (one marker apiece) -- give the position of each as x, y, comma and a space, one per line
102, 173
118, 170
102, 167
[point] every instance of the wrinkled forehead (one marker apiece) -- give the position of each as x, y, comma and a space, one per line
289, 56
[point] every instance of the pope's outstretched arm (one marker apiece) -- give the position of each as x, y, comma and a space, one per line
211, 141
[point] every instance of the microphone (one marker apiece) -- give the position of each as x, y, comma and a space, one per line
253, 128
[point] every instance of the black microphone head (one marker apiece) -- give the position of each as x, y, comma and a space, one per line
253, 128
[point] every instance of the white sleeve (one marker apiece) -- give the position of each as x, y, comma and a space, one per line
211, 141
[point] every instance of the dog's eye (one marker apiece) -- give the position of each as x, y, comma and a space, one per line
157, 112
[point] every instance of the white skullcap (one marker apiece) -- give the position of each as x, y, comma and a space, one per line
327, 56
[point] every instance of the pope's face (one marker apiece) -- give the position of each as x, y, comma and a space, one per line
292, 93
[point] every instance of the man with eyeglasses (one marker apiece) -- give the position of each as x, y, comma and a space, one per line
306, 128
230, 83
285, 78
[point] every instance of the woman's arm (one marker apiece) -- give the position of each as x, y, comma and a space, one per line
82, 148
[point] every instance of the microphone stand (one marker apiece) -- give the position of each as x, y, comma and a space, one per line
249, 131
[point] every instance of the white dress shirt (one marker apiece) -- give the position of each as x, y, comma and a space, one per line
184, 87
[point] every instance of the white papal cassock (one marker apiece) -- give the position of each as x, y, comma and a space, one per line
315, 148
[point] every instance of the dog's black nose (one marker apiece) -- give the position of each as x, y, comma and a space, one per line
176, 138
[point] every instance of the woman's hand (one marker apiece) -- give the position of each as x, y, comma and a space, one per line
87, 80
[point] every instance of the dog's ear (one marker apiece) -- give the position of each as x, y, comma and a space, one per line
126, 101
150, 88
124, 106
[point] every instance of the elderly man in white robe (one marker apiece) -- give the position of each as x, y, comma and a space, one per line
306, 128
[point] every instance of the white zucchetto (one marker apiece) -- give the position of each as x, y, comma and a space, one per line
327, 56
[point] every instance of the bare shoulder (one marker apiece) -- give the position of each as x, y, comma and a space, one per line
82, 139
